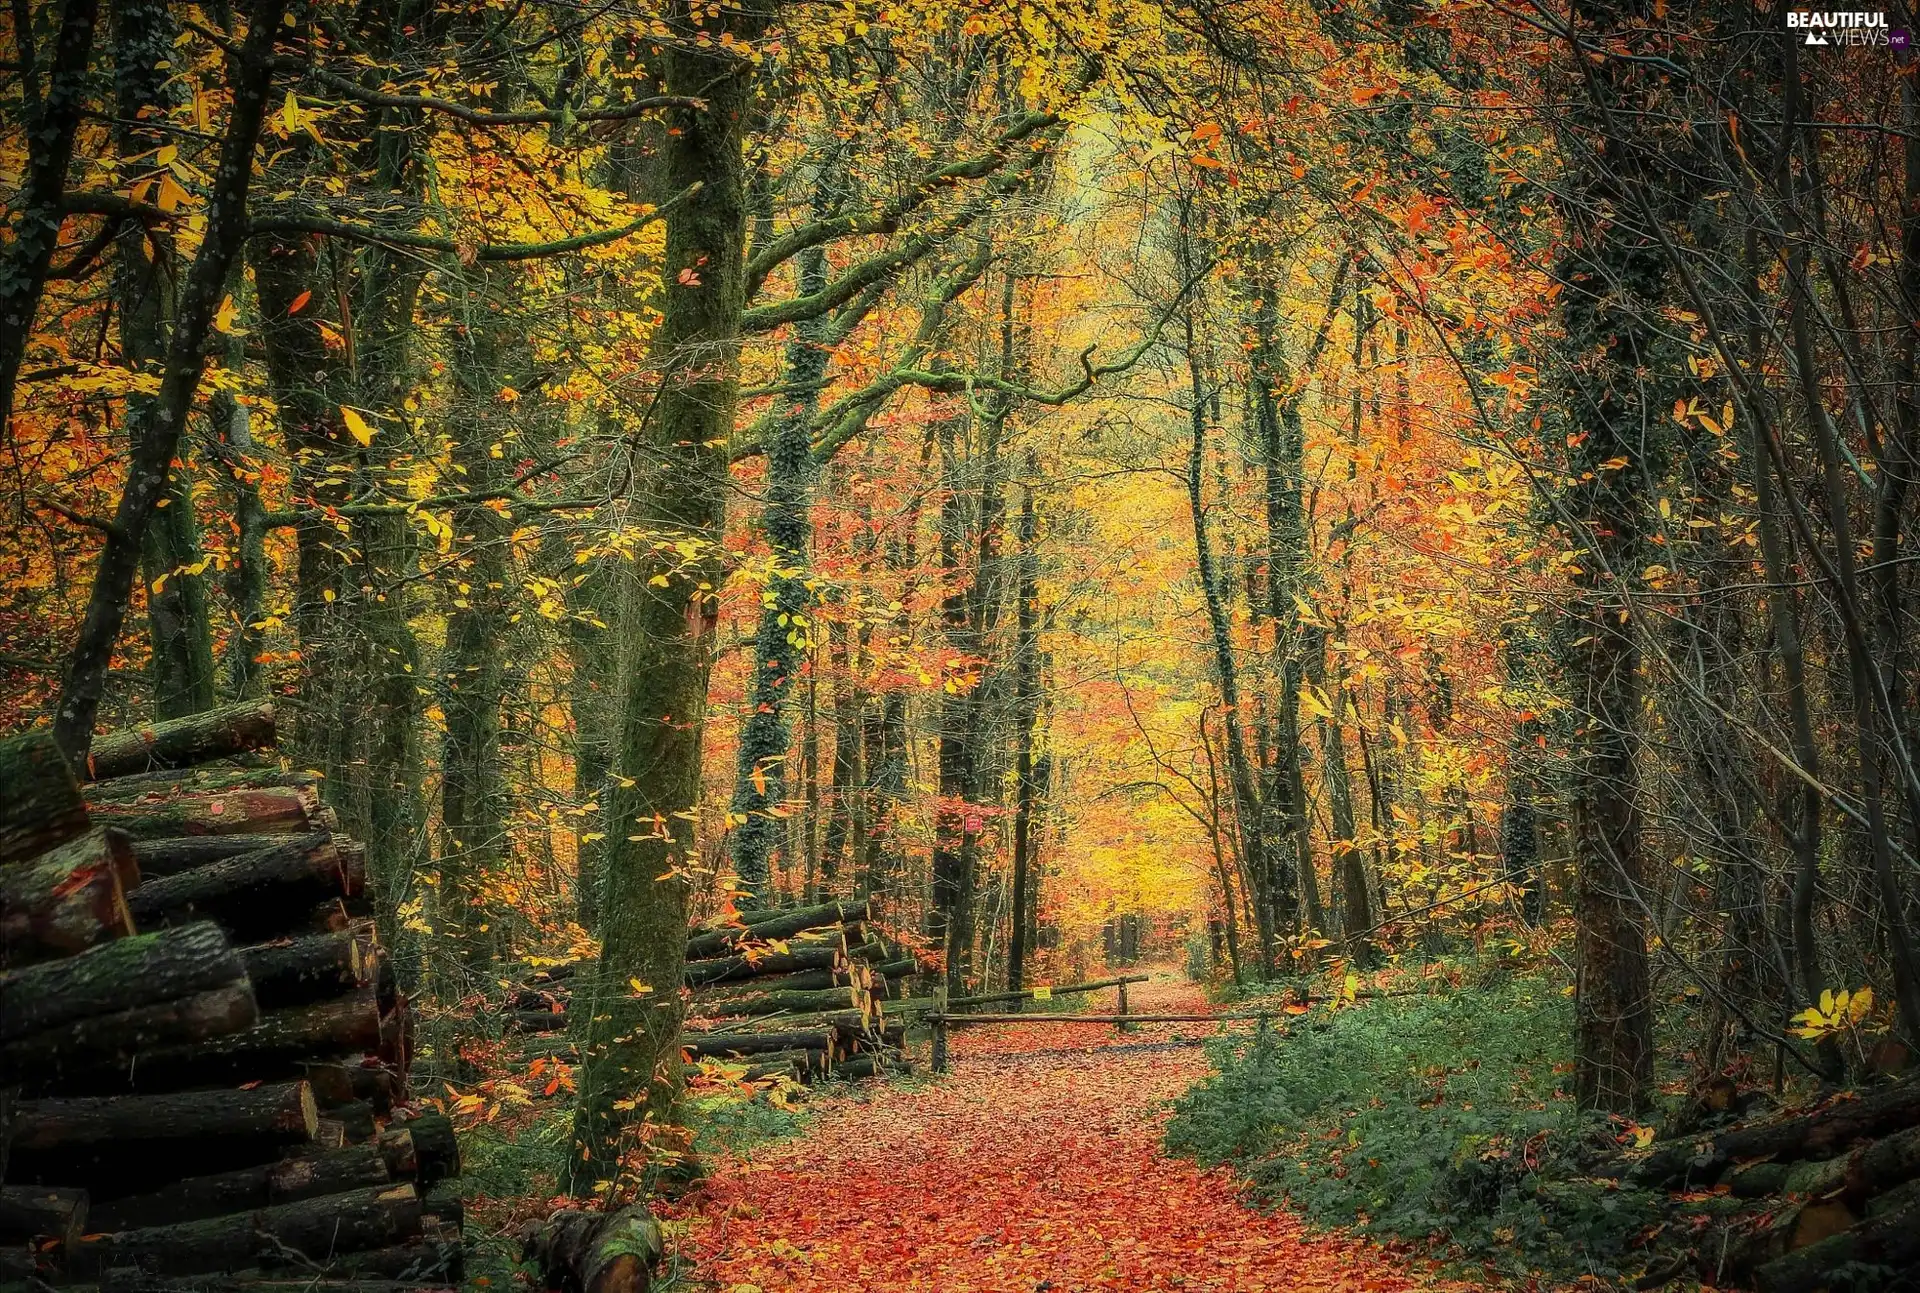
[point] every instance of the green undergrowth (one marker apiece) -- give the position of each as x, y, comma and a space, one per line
728, 1123
1435, 1119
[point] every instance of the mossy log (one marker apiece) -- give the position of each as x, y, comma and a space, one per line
435, 1146
1817, 1135
182, 742
172, 856
41, 1212
140, 970
315, 1229
595, 1252
1888, 1238
40, 804
278, 1046
732, 969
723, 1045
67, 899
760, 928
199, 781
296, 971
86, 1054
248, 1189
120, 1145
777, 1003
251, 896
274, 811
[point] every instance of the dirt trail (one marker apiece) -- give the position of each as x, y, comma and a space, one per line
1034, 1167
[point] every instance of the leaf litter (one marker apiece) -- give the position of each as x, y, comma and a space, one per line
1033, 1167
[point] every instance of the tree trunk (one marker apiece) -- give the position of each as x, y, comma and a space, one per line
473, 790
1612, 277
1026, 714
154, 425
37, 210
784, 636
630, 1072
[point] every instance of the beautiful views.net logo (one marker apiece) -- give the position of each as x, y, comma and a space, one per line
1844, 28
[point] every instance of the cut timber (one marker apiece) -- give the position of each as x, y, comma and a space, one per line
129, 972
550, 1020
88, 1053
707, 997
40, 804
170, 857
720, 1045
315, 1229
777, 1003
131, 1279
431, 1262
595, 1252
183, 742
296, 971
797, 1064
773, 925
1869, 1169
202, 780
825, 913
866, 1066
396, 1147
38, 1212
357, 1117
279, 1046
127, 1144
396, 1035
1889, 1238
435, 1145
728, 969
1820, 1134
233, 812
248, 1189
343, 1083
254, 895
66, 900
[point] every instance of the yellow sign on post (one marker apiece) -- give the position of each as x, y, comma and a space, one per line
1043, 994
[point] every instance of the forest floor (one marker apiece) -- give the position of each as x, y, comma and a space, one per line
1034, 1166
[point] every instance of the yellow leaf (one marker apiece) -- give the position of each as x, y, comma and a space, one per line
357, 426
639, 989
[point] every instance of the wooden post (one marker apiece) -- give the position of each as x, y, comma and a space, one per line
939, 1060
1123, 1026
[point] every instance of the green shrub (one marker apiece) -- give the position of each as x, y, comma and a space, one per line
1425, 1118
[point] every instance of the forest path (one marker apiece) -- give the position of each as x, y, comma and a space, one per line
1033, 1167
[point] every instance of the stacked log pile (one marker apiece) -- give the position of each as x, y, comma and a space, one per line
1832, 1191
203, 1050
796, 992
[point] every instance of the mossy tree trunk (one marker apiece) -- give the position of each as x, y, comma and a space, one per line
629, 1079
146, 269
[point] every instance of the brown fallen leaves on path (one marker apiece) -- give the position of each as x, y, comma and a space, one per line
1033, 1167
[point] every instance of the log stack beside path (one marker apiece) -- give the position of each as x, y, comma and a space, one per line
794, 992
203, 1049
